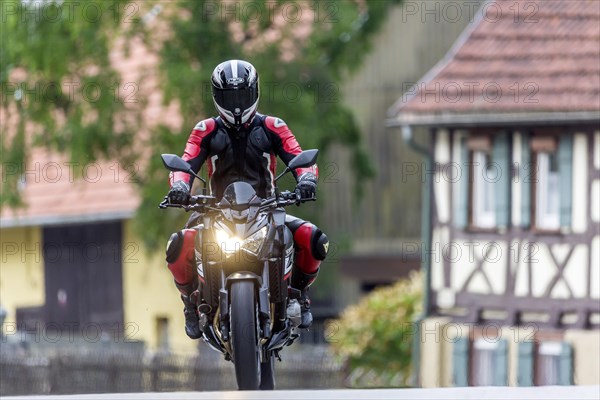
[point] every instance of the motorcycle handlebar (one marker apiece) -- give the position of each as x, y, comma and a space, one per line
198, 201
207, 202
288, 198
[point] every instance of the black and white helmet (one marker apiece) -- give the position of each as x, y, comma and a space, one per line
235, 92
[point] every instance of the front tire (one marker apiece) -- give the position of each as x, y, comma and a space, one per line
243, 335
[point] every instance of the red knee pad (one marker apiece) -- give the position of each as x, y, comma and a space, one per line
180, 256
310, 248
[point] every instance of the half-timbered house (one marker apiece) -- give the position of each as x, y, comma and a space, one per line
513, 252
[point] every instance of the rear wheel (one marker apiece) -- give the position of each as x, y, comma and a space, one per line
267, 374
244, 341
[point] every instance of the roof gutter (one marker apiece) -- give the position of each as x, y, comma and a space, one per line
408, 137
46, 220
495, 119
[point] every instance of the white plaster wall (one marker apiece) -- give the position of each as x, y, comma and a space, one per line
495, 267
463, 262
458, 163
442, 197
439, 240
518, 258
575, 272
560, 251
597, 149
441, 183
595, 198
580, 183
466, 254
543, 269
595, 268
442, 146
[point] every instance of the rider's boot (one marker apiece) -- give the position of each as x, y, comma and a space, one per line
301, 281
190, 311
180, 260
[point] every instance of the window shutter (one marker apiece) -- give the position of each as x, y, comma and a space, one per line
525, 177
502, 186
565, 374
501, 371
565, 169
525, 367
462, 204
460, 362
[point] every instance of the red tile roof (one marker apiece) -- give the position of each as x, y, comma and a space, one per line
518, 56
57, 192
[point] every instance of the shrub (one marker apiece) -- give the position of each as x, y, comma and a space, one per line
375, 336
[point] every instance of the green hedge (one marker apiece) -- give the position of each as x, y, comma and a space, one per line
375, 336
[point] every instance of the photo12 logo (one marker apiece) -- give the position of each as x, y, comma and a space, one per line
468, 10
472, 92
27, 11
69, 171
270, 11
54, 92
70, 332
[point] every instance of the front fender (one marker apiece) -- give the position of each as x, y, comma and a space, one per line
242, 276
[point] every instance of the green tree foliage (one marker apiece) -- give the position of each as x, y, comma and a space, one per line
303, 51
302, 87
57, 82
375, 336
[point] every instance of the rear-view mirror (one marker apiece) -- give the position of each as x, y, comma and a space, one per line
175, 163
304, 159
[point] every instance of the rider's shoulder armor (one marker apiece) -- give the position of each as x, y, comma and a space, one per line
205, 126
275, 124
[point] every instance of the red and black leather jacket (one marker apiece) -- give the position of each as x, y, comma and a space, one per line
248, 155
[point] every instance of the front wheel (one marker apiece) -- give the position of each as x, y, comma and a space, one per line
244, 341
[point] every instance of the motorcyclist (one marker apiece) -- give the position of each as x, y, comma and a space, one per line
241, 145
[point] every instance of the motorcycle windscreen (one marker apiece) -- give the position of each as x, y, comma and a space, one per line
239, 194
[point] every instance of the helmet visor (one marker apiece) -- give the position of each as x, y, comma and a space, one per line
236, 100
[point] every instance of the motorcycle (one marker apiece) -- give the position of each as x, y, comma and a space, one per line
245, 256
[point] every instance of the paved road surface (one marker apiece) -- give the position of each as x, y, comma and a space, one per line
478, 393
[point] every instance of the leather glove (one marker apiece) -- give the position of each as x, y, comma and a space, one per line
307, 186
179, 193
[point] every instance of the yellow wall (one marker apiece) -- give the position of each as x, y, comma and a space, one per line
21, 269
149, 293
438, 334
437, 337
148, 290
436, 354
586, 363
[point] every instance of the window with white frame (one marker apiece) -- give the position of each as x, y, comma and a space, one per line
483, 199
554, 363
547, 191
483, 363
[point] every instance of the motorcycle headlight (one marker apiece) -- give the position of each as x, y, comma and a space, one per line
253, 243
231, 244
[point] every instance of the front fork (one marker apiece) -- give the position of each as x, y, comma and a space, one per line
264, 306
264, 315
